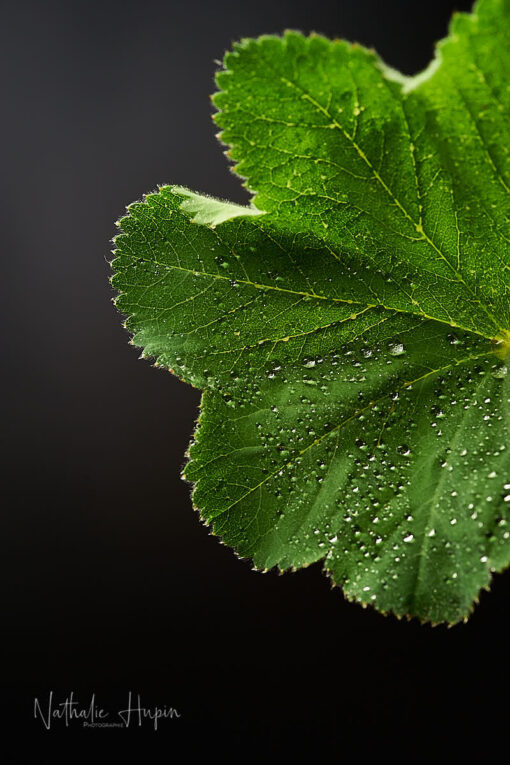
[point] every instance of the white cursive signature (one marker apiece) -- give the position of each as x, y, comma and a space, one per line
92, 715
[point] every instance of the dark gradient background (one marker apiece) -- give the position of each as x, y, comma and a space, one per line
110, 581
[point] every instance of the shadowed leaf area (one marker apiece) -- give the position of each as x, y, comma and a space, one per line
350, 327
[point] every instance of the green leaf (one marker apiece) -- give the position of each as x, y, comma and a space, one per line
350, 327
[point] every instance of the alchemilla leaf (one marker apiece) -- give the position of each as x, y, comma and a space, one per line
350, 328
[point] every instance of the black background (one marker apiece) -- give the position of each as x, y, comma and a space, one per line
111, 583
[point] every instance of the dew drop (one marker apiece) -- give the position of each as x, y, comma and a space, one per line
396, 349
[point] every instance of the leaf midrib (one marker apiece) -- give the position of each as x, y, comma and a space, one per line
418, 581
312, 295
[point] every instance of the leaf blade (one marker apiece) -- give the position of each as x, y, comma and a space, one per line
351, 336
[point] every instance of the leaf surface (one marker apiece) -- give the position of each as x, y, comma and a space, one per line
350, 327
